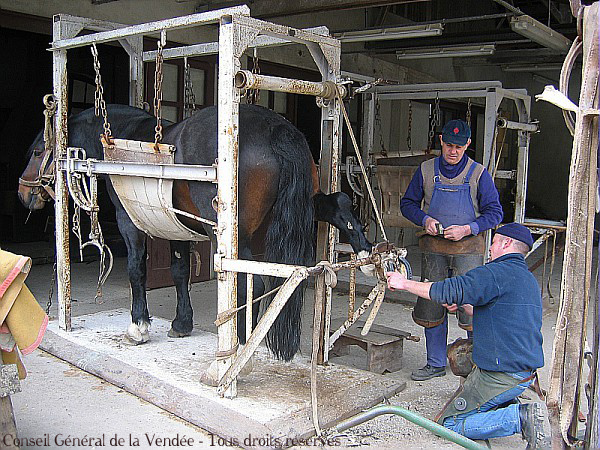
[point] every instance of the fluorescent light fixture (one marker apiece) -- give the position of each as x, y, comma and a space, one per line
446, 52
382, 34
538, 32
549, 67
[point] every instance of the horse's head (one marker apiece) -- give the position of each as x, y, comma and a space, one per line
35, 183
336, 209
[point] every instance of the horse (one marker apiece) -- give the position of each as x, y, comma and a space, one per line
279, 199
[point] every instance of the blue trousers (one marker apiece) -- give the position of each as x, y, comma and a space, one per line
489, 421
437, 267
435, 343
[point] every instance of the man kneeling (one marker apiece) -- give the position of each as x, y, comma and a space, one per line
506, 303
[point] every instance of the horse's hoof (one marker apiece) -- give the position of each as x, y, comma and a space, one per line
177, 334
210, 376
128, 340
368, 270
137, 334
207, 380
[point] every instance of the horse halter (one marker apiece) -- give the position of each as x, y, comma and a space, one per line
47, 171
45, 177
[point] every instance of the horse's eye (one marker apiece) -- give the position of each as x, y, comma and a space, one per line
37, 151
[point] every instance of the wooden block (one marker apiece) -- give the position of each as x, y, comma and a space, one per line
383, 345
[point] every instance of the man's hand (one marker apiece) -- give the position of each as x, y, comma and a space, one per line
468, 309
456, 232
395, 281
430, 227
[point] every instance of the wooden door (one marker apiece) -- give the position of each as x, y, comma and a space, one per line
158, 264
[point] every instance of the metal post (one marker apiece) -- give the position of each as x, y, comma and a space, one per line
227, 230
136, 71
63, 263
491, 111
523, 108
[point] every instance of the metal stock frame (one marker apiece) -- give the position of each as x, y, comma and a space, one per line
493, 93
237, 32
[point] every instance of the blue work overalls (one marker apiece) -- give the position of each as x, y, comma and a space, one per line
450, 205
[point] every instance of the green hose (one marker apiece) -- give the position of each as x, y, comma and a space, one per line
413, 417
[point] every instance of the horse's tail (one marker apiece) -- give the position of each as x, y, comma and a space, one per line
290, 234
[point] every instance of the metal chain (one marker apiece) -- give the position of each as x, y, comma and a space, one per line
189, 103
253, 95
158, 78
99, 103
468, 113
51, 291
77, 229
380, 127
435, 121
409, 133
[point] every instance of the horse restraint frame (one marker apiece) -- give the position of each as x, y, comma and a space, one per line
237, 32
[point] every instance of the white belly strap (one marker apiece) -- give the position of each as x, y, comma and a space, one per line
149, 201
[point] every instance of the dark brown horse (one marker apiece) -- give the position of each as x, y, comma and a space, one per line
278, 203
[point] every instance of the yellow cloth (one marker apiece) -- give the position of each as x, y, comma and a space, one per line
20, 313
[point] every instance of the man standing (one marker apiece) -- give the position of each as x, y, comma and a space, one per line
507, 341
455, 200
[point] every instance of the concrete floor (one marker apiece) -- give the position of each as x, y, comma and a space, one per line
59, 399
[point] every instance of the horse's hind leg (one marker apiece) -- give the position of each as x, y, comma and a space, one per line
258, 289
182, 325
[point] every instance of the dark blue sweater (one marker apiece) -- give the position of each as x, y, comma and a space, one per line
507, 317
490, 209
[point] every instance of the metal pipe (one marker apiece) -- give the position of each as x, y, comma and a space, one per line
244, 79
413, 417
133, 169
427, 87
211, 48
147, 28
511, 125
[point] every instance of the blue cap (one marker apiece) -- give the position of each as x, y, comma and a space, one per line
456, 132
517, 231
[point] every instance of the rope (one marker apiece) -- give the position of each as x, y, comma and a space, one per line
362, 166
316, 340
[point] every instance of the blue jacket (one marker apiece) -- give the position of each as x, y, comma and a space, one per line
490, 209
507, 316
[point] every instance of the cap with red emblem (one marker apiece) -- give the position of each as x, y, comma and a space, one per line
456, 132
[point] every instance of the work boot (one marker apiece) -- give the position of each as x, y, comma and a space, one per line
427, 372
535, 426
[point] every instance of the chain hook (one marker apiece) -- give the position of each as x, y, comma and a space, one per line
99, 103
158, 78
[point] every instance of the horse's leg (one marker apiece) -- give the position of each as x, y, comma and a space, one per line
135, 240
258, 290
182, 325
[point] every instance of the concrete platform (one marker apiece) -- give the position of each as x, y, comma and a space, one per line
273, 403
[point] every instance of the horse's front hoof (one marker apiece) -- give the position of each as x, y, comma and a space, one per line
137, 334
128, 340
367, 269
177, 334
